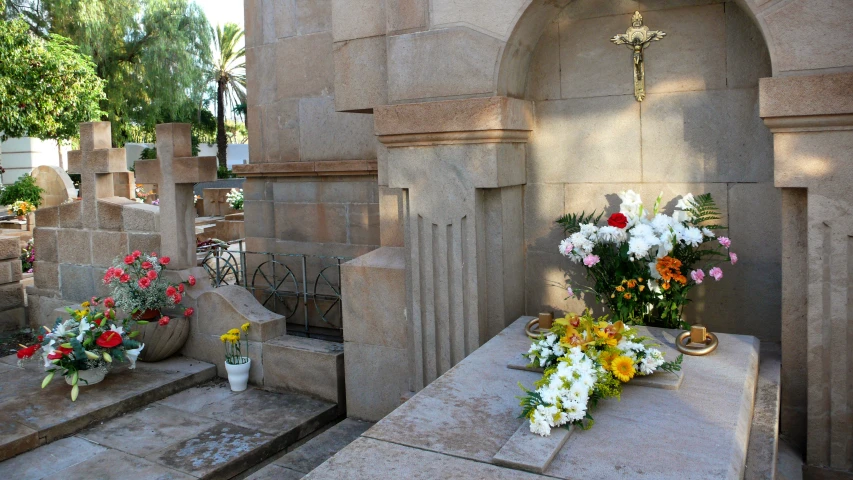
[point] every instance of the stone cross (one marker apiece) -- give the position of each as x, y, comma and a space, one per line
175, 172
96, 162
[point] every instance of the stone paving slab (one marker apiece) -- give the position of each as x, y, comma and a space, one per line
275, 472
196, 441
320, 448
26, 408
471, 411
528, 451
366, 458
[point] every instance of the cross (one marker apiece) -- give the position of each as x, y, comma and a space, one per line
637, 38
175, 172
96, 162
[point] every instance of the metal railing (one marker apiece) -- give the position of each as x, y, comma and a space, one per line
282, 282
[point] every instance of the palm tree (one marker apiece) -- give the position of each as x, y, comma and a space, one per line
229, 73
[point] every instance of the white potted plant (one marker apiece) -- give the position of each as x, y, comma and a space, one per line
236, 363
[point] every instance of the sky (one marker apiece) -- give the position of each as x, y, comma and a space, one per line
220, 12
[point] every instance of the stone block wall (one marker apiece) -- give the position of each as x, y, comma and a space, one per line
71, 260
697, 131
12, 314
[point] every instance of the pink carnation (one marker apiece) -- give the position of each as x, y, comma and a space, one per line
697, 276
733, 257
725, 241
570, 292
716, 272
590, 260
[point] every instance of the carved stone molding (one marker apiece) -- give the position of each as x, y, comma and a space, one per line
308, 169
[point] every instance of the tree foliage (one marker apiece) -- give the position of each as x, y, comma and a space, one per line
153, 54
229, 74
47, 87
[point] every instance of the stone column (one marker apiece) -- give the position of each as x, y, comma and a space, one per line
175, 172
460, 165
811, 118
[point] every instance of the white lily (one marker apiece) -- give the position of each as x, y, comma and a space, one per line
133, 354
85, 326
47, 350
117, 329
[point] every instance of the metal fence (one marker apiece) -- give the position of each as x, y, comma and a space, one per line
290, 284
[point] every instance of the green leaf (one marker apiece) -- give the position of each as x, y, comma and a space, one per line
48, 378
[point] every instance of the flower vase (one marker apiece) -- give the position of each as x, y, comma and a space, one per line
88, 377
147, 315
163, 341
21, 217
238, 375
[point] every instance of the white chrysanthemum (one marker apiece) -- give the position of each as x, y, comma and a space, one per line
558, 350
638, 247
539, 424
661, 223
686, 203
583, 245
566, 247
692, 236
680, 216
575, 410
589, 231
543, 359
612, 235
708, 232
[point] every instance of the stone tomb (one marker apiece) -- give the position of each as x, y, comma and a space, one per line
57, 185
465, 423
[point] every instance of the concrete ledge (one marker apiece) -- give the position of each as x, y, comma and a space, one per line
764, 433
308, 169
306, 365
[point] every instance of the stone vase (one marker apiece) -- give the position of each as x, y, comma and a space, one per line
163, 341
88, 377
238, 375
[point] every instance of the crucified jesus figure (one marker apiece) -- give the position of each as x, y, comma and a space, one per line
637, 38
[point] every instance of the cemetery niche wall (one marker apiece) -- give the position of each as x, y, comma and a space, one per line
523, 109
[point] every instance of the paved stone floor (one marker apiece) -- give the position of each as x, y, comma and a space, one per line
297, 462
203, 432
31, 416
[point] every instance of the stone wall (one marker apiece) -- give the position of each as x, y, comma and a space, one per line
12, 314
71, 259
698, 131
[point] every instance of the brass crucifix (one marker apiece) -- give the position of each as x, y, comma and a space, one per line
637, 38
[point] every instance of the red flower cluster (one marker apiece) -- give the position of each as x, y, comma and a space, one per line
174, 294
163, 321
60, 352
144, 282
109, 339
28, 351
113, 272
191, 281
189, 312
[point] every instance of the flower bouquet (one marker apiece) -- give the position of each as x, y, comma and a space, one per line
28, 257
643, 263
236, 364
235, 198
585, 360
21, 208
82, 348
138, 287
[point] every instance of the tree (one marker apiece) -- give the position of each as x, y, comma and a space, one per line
153, 54
47, 87
229, 74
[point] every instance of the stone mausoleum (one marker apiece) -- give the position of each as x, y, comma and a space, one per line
438, 140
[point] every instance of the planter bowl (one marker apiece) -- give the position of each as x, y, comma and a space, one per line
161, 342
89, 377
238, 375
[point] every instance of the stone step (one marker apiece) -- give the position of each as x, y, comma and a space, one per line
204, 432
301, 459
761, 457
31, 416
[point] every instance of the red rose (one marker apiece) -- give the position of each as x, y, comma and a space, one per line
59, 353
109, 339
128, 260
109, 302
189, 312
181, 287
152, 275
28, 351
618, 220
170, 290
144, 282
177, 298
136, 254
165, 260
146, 265
124, 278
191, 280
163, 321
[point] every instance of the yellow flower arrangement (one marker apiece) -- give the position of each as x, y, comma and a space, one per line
234, 347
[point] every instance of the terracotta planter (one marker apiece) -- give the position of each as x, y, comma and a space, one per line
21, 217
161, 342
147, 315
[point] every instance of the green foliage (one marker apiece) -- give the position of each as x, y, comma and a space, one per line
153, 54
571, 222
672, 366
47, 87
705, 210
24, 188
148, 153
229, 75
224, 172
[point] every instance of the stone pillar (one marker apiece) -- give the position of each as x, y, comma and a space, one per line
460, 165
12, 315
811, 118
175, 172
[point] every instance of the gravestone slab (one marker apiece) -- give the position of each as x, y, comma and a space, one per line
698, 431
57, 185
